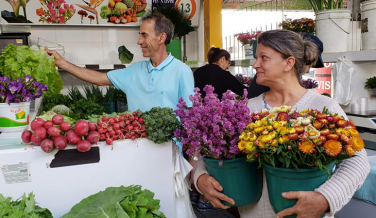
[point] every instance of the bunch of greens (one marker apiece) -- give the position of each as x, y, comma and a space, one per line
161, 124
24, 207
49, 114
125, 56
19, 61
50, 100
128, 202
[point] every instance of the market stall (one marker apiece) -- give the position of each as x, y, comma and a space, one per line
26, 168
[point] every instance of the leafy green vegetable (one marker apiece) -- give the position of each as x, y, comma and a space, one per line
83, 109
18, 61
118, 202
370, 83
22, 208
49, 114
125, 56
50, 100
161, 124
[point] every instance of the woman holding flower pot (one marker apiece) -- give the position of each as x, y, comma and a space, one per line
282, 57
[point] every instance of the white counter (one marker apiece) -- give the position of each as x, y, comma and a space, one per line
140, 162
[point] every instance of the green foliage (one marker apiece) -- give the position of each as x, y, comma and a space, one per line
84, 108
18, 61
128, 3
104, 12
24, 207
50, 100
94, 93
320, 5
110, 94
75, 94
120, 95
182, 25
161, 124
128, 202
371, 83
125, 56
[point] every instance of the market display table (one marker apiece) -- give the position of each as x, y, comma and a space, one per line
26, 168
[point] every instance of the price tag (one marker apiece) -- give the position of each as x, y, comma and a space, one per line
192, 63
246, 62
16, 173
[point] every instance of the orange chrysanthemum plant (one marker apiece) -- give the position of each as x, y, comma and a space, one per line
285, 138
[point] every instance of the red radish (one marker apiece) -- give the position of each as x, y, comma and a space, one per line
40, 133
54, 137
83, 146
38, 122
116, 126
127, 135
121, 118
112, 121
131, 118
26, 136
92, 126
100, 130
53, 131
133, 137
144, 135
35, 140
48, 124
126, 115
127, 122
104, 118
61, 142
102, 137
57, 119
109, 141
129, 128
72, 137
134, 113
65, 126
81, 128
141, 120
47, 145
93, 137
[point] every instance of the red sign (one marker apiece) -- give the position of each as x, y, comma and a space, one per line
324, 78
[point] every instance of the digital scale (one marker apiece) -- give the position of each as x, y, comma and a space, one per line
365, 121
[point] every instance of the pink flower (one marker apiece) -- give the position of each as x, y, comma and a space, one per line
61, 19
54, 18
54, 4
49, 6
66, 6
49, 20
53, 11
61, 10
61, 1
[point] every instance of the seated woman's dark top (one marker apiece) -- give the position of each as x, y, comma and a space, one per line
221, 80
255, 89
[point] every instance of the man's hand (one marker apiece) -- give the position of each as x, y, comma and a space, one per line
310, 204
212, 191
58, 59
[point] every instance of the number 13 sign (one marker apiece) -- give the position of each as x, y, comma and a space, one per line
190, 8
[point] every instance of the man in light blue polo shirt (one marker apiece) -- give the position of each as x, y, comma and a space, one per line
160, 81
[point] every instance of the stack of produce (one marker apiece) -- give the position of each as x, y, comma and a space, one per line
57, 133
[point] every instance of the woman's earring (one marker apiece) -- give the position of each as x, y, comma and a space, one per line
285, 69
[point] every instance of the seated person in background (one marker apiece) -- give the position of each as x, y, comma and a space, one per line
255, 89
215, 74
282, 57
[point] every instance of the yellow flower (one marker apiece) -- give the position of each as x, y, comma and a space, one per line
241, 137
251, 126
353, 132
284, 108
272, 117
275, 125
307, 147
332, 147
274, 142
349, 150
259, 129
258, 123
283, 139
357, 143
266, 138
250, 147
251, 136
241, 145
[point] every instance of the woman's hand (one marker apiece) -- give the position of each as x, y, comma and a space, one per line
212, 191
310, 204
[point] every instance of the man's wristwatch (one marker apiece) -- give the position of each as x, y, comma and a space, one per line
194, 158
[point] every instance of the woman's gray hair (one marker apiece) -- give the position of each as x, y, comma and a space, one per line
291, 44
162, 25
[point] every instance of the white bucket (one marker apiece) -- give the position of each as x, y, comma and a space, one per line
248, 51
14, 117
368, 27
333, 29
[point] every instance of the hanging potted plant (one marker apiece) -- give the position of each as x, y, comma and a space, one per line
371, 85
332, 24
182, 26
15, 97
212, 127
298, 150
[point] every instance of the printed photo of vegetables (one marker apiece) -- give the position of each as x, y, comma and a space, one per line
123, 11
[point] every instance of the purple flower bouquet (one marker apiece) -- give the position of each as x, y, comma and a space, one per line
212, 126
20, 90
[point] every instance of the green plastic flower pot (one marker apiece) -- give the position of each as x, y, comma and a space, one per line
174, 47
281, 180
254, 47
241, 180
109, 107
